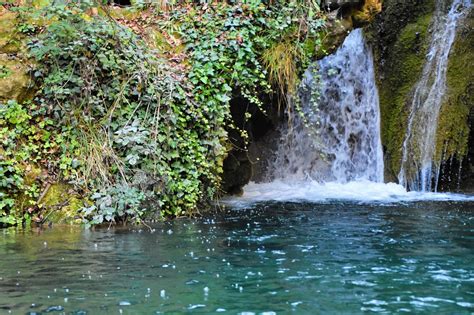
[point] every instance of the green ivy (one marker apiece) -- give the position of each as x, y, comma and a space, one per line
226, 44
136, 135
131, 117
28, 138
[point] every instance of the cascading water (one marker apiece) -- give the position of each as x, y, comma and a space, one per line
343, 143
336, 152
419, 171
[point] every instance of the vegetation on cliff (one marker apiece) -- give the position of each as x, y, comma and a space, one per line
130, 124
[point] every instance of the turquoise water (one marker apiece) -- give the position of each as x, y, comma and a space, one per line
339, 258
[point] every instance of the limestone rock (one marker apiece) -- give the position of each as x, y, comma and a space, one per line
9, 41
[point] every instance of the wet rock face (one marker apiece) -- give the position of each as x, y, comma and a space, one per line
455, 137
400, 38
468, 180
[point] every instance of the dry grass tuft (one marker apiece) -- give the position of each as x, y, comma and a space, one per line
99, 156
280, 62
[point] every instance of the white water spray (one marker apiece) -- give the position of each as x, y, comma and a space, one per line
419, 171
344, 142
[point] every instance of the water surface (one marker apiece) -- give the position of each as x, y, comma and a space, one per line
306, 258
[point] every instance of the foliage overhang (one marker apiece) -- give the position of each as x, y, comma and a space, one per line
131, 114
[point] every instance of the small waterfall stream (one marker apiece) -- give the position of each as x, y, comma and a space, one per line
419, 171
342, 142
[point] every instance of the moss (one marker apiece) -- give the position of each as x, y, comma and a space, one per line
56, 203
403, 69
40, 3
453, 126
401, 38
10, 40
170, 46
24, 199
16, 84
61, 206
32, 173
126, 13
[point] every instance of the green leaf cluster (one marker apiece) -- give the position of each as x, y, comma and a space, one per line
28, 138
140, 141
138, 136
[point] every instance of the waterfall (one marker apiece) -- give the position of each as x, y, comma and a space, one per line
419, 171
339, 139
336, 151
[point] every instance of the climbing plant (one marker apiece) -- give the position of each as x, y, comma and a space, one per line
136, 132
138, 137
27, 138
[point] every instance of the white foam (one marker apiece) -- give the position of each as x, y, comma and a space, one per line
313, 191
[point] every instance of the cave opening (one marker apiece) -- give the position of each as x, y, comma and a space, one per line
122, 2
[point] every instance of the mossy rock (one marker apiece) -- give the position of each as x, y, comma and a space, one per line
32, 174
333, 36
366, 13
40, 3
453, 125
400, 37
339, 24
61, 206
404, 70
10, 40
121, 13
15, 81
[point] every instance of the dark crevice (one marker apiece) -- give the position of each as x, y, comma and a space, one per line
122, 2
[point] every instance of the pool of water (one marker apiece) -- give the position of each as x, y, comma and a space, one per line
301, 258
